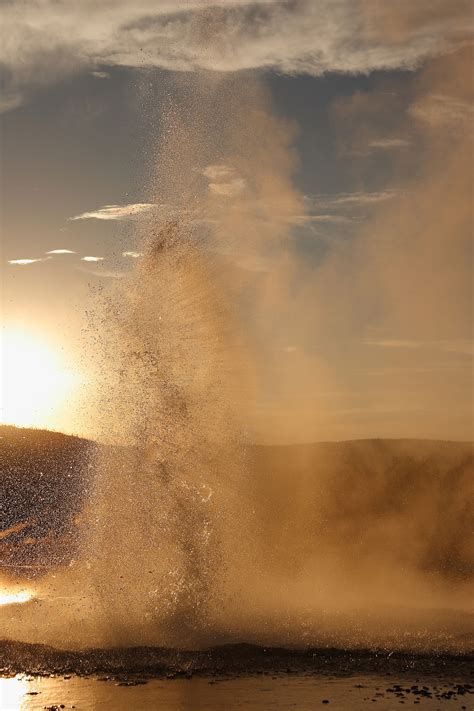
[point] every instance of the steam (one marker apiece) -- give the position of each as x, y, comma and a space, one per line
179, 380
179, 524
190, 380
380, 327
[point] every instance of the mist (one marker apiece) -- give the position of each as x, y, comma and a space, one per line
194, 537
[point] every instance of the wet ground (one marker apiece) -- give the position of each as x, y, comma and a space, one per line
260, 692
34, 677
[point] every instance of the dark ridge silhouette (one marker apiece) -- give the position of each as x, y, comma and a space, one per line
44, 485
342, 494
231, 660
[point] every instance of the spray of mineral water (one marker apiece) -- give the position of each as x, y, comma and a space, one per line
189, 541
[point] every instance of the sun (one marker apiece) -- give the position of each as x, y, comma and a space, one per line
35, 382
9, 597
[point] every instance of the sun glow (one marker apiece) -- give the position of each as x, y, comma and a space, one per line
34, 380
12, 692
9, 597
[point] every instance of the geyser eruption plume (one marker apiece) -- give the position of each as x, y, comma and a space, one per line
181, 394
168, 522
178, 373
178, 376
193, 538
166, 501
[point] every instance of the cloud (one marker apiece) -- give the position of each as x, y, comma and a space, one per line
132, 254
464, 347
388, 144
101, 75
102, 273
370, 121
61, 251
442, 110
395, 343
116, 212
9, 102
357, 199
218, 172
50, 40
26, 262
223, 180
92, 259
229, 189
331, 219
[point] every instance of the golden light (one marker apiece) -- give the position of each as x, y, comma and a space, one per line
12, 693
9, 597
34, 381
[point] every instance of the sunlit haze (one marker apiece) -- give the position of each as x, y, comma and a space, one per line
340, 198
12, 597
236, 354
36, 380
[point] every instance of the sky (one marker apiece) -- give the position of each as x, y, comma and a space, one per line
334, 150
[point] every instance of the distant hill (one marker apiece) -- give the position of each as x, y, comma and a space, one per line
44, 482
409, 503
410, 499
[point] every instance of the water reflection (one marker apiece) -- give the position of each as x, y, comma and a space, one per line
12, 692
17, 597
305, 693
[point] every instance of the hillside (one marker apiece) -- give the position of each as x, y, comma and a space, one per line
44, 483
410, 501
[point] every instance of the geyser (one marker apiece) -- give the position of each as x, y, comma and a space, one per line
166, 501
192, 537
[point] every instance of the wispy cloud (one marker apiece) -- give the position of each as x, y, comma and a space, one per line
92, 259
100, 75
442, 110
388, 144
327, 219
132, 254
10, 101
116, 212
218, 172
229, 189
465, 347
223, 180
26, 262
61, 251
50, 40
102, 273
355, 199
395, 343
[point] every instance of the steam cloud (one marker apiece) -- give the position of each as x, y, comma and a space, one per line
186, 387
